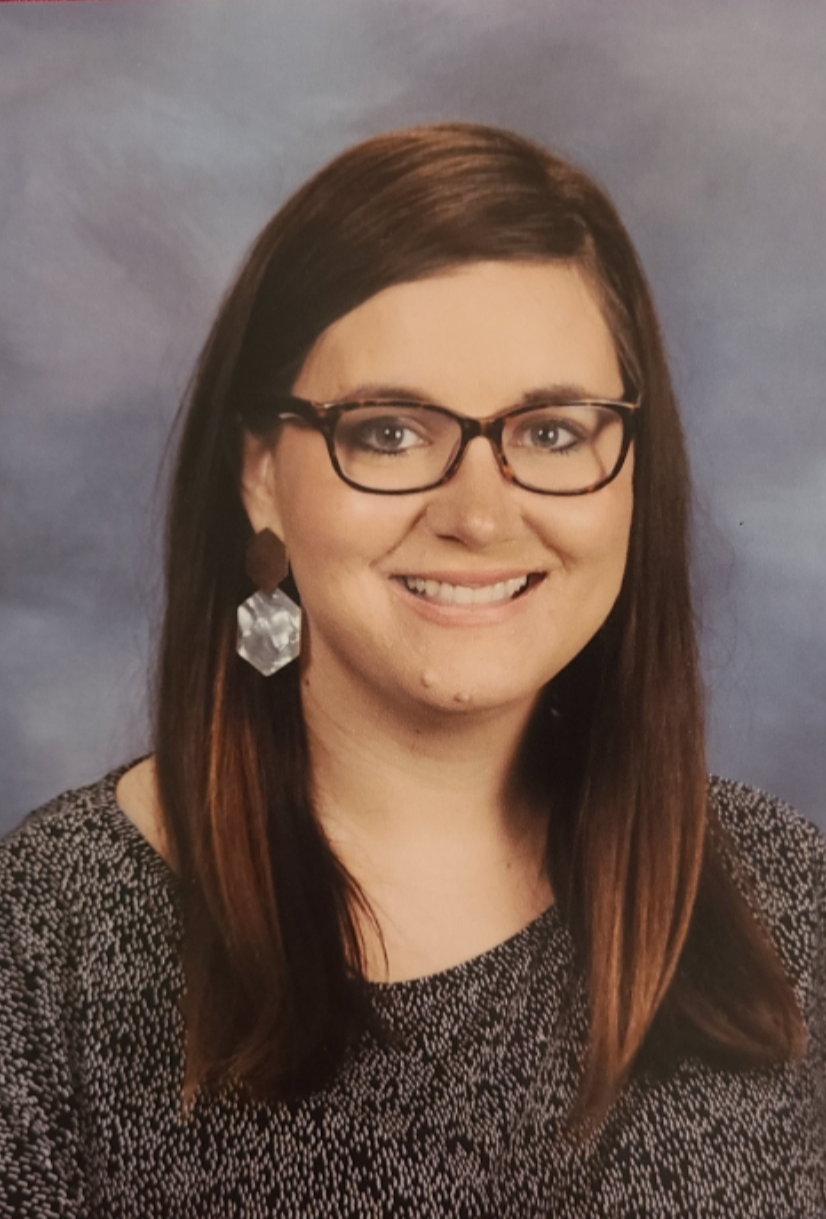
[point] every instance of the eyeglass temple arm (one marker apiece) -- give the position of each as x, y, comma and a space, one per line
286, 405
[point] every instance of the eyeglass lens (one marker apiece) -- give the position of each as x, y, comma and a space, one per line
551, 448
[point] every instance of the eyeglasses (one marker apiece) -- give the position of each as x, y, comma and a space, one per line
397, 447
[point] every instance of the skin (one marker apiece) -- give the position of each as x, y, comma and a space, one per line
415, 708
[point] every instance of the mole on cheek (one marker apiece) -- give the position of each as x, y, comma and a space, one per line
428, 679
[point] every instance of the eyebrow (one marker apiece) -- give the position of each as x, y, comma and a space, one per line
559, 393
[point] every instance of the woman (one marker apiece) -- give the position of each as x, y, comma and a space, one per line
458, 925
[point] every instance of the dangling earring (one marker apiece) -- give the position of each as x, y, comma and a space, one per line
269, 622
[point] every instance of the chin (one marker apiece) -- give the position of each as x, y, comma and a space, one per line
456, 695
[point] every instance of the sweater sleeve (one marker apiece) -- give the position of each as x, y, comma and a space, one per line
40, 1169
817, 1007
786, 868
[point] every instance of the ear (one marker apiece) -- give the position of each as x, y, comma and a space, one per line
258, 485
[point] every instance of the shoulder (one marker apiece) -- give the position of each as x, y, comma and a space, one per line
64, 836
781, 859
88, 957
89, 912
780, 848
76, 857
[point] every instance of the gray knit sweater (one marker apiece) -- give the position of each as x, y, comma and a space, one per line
463, 1118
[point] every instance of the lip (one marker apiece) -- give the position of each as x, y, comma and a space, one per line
452, 614
469, 579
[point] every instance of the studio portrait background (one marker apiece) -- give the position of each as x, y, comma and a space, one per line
144, 142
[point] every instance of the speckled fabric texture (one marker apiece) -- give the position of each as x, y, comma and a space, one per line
464, 1119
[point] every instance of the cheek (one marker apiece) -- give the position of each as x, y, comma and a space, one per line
329, 527
590, 534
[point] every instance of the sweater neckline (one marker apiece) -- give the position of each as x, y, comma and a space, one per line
462, 971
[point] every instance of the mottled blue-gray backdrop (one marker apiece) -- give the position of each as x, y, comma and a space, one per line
143, 143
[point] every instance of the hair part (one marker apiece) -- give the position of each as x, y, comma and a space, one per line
275, 983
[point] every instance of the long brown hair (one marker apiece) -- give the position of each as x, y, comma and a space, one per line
275, 991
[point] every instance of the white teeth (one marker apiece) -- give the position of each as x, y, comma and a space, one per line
465, 594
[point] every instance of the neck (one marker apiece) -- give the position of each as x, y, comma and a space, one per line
375, 766
425, 810
404, 775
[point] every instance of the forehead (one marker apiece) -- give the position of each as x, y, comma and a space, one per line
475, 337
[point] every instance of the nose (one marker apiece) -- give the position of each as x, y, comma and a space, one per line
478, 506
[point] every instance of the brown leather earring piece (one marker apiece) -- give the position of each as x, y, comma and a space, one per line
267, 563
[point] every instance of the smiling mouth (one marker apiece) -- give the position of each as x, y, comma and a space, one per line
441, 593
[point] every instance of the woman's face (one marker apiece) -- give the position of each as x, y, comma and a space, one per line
478, 340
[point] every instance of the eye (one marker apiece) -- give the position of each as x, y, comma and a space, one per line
370, 430
385, 436
546, 434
